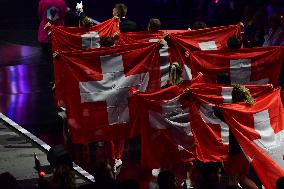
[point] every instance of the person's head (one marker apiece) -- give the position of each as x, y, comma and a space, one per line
175, 73
8, 181
107, 41
223, 78
167, 180
242, 94
63, 177
234, 42
86, 22
198, 25
154, 25
280, 183
119, 10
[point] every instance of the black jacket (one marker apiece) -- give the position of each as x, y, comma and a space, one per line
127, 25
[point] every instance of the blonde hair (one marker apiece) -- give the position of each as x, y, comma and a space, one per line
242, 94
154, 24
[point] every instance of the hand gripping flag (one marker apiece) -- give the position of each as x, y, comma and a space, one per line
259, 129
71, 38
243, 66
96, 83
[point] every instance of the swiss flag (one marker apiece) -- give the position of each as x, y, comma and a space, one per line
205, 39
96, 84
211, 93
168, 53
259, 129
211, 133
243, 66
164, 122
144, 36
74, 38
138, 37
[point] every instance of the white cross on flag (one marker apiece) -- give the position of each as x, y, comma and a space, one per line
209, 45
259, 129
74, 38
168, 54
171, 54
96, 85
153, 37
164, 121
211, 132
205, 39
113, 88
243, 66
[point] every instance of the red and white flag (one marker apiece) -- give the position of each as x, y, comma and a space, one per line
138, 37
145, 36
243, 66
211, 133
259, 129
164, 123
95, 88
205, 39
74, 38
168, 54
211, 93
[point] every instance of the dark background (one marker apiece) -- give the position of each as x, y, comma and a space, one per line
174, 13
19, 21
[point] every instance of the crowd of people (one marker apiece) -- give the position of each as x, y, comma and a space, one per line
261, 26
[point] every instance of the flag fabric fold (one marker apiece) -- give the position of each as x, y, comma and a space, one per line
115, 93
259, 130
243, 66
211, 133
205, 39
95, 88
164, 123
73, 38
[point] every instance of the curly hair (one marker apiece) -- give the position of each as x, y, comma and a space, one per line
242, 94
